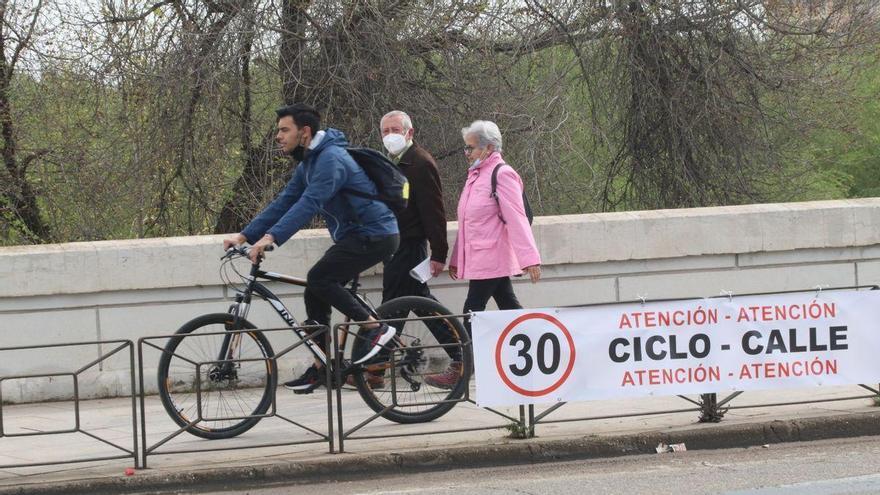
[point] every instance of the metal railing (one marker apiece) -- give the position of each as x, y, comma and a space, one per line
514, 423
710, 407
121, 345
317, 331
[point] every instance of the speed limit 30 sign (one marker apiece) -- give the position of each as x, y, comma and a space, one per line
678, 347
534, 355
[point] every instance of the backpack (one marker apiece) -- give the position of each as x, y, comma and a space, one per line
389, 180
494, 194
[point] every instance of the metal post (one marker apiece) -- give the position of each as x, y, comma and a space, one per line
709, 410
336, 359
134, 431
143, 460
531, 421
330, 383
76, 401
1, 407
522, 428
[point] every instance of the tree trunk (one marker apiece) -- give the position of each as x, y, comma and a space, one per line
256, 174
20, 195
291, 56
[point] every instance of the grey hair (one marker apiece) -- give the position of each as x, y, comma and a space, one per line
404, 118
486, 131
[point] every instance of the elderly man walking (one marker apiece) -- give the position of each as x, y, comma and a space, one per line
422, 225
423, 222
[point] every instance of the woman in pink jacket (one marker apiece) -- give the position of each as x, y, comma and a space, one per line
495, 239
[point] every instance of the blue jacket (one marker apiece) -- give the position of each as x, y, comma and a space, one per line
315, 188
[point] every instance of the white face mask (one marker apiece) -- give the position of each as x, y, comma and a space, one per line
394, 143
476, 163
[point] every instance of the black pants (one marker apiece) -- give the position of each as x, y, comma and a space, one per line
479, 292
342, 262
397, 282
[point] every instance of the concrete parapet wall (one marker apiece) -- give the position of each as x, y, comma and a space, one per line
82, 292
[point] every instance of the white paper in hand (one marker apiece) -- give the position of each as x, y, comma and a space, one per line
422, 271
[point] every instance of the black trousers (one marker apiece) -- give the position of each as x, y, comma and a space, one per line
397, 282
342, 262
479, 292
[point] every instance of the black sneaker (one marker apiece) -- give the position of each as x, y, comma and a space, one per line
311, 379
376, 338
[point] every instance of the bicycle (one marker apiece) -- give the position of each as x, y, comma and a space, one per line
237, 376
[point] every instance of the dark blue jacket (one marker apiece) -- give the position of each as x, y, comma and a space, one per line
315, 188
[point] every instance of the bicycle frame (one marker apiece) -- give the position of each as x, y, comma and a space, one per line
239, 309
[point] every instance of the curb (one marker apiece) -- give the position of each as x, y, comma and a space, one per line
359, 466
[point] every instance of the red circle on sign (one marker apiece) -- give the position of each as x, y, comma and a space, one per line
500, 368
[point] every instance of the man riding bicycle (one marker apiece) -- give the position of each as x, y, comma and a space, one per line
364, 231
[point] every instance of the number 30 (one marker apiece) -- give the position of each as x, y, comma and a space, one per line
541, 356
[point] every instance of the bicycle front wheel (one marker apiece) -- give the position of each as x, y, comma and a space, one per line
422, 349
216, 396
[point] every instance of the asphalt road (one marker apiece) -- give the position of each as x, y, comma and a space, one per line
814, 468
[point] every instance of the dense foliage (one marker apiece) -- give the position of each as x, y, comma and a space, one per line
123, 119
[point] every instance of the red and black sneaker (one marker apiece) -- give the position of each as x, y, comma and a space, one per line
375, 340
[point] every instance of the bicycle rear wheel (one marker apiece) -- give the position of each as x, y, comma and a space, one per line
418, 353
227, 398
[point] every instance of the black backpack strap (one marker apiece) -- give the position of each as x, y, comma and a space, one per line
494, 192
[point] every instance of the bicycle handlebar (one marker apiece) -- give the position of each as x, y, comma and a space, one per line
242, 250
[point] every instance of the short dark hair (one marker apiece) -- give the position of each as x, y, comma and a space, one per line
302, 115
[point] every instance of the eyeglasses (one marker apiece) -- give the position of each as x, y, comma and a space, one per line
468, 149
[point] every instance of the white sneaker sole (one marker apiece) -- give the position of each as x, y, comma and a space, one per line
296, 388
383, 339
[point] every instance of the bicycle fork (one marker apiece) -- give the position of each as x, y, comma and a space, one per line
225, 368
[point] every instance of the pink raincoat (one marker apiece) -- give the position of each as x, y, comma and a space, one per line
485, 246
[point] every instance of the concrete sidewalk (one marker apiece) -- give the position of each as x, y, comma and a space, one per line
379, 450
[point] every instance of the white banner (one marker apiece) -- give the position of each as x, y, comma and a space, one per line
680, 347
